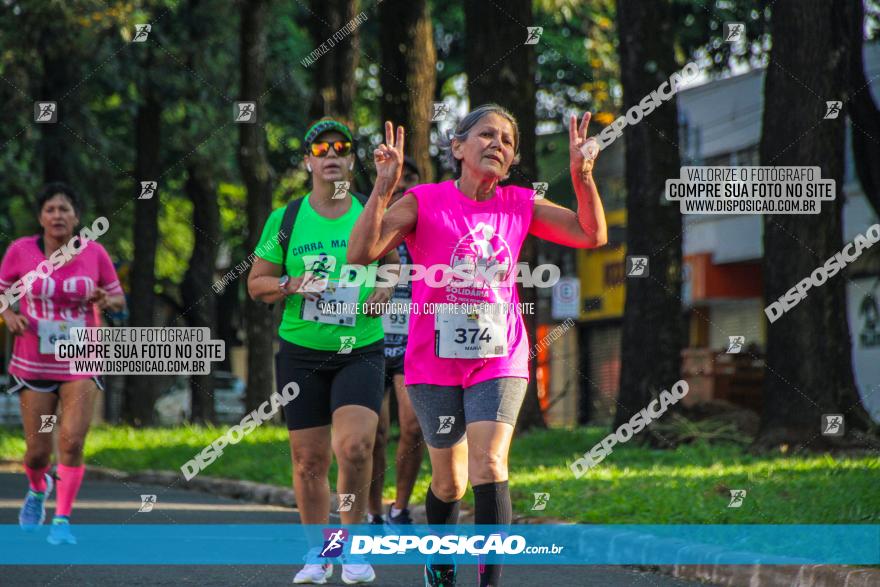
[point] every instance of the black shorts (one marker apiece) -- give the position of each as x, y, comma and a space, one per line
393, 366
43, 385
328, 380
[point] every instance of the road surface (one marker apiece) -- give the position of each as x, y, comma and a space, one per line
114, 502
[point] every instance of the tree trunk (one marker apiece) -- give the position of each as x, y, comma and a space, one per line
54, 145
809, 366
860, 106
199, 300
198, 296
409, 77
653, 326
257, 176
334, 72
140, 392
501, 68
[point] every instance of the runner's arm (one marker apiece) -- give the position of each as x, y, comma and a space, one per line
381, 293
116, 303
16, 323
9, 274
585, 229
105, 301
377, 232
262, 283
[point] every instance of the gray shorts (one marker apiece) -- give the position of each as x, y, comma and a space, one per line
444, 411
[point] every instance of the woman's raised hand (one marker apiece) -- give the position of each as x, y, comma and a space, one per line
582, 150
388, 156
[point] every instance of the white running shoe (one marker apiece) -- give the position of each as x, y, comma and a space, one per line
356, 570
315, 571
314, 574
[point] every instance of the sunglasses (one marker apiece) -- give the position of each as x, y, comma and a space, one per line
342, 148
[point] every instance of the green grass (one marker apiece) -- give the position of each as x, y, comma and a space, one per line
634, 485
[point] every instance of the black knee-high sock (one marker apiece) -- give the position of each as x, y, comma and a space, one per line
492, 506
441, 512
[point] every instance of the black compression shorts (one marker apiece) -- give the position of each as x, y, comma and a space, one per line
328, 380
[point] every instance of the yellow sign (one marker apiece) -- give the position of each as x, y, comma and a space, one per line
602, 274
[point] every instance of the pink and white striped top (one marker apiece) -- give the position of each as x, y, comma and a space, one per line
61, 297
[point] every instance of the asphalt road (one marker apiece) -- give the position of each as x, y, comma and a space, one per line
110, 502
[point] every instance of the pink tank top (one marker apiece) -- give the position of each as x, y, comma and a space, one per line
453, 230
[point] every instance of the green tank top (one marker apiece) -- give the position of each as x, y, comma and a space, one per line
320, 242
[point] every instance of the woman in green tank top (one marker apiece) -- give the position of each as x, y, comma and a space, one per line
329, 347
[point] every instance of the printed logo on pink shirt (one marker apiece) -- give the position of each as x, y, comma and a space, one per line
47, 301
484, 254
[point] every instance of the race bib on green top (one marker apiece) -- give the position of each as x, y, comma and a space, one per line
337, 306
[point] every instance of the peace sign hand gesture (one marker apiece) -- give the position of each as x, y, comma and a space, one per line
582, 150
388, 156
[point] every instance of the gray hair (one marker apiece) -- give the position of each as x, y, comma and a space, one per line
468, 122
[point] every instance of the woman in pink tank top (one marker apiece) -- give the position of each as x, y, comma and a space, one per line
466, 362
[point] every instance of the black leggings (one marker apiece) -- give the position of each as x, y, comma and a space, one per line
329, 380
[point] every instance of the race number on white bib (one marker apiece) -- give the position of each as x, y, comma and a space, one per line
53, 330
474, 336
337, 306
397, 323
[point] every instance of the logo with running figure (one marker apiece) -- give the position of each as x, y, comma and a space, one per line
481, 259
148, 190
736, 344
533, 35
832, 109
334, 542
541, 500
440, 110
832, 424
737, 496
346, 345
346, 501
540, 189
47, 422
734, 31
141, 33
245, 112
636, 266
147, 503
45, 112
446, 423
317, 276
341, 189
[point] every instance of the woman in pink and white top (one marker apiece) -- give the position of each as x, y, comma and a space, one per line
74, 280
468, 372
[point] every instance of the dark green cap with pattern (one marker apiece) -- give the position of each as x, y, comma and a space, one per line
323, 126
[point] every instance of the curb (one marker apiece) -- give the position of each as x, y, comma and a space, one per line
262, 493
776, 575
727, 575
